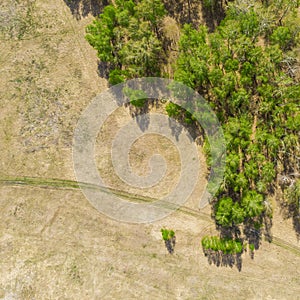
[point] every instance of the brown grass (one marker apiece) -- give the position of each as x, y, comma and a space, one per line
54, 244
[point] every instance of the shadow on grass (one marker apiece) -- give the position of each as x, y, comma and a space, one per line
250, 235
192, 11
104, 68
288, 198
291, 211
223, 259
213, 14
81, 8
183, 11
170, 244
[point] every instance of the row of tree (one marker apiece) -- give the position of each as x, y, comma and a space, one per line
227, 246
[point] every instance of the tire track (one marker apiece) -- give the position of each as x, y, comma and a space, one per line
62, 184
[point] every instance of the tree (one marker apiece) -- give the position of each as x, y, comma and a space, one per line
136, 97
226, 245
173, 110
238, 214
268, 172
169, 238
140, 57
254, 93
224, 212
126, 35
252, 204
100, 34
152, 11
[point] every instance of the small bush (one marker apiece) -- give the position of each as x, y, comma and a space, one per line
169, 237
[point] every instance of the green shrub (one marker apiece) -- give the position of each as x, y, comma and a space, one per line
227, 246
167, 234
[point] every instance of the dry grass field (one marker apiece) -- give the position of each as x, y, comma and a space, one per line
53, 243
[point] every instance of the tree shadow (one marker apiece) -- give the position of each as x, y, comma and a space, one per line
195, 131
104, 68
250, 235
288, 209
192, 12
296, 224
233, 232
255, 229
253, 235
268, 223
213, 14
141, 114
221, 259
170, 244
291, 211
81, 8
176, 128
184, 11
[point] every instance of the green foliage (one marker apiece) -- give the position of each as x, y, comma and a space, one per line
126, 35
116, 76
207, 152
208, 3
167, 234
227, 246
251, 247
224, 212
140, 56
251, 169
244, 71
238, 214
281, 36
268, 172
173, 110
100, 34
193, 69
136, 97
229, 213
252, 204
292, 195
151, 10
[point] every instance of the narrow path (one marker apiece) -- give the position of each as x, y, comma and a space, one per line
53, 183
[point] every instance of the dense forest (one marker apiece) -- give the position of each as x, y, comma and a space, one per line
243, 58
